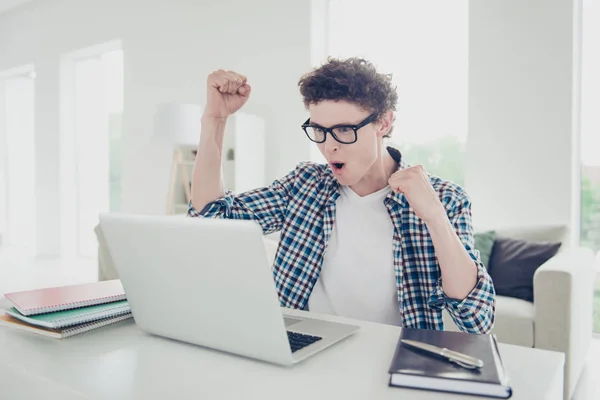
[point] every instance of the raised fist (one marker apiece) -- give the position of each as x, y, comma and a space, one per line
227, 92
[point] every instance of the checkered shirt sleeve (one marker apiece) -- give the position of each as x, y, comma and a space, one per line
475, 313
264, 205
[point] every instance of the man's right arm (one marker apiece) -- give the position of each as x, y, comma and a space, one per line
266, 205
207, 177
227, 92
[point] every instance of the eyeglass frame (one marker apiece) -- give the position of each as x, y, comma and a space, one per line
371, 118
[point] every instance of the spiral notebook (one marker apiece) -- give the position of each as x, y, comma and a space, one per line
40, 301
61, 333
61, 319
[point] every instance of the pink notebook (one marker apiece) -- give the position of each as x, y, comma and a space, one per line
32, 302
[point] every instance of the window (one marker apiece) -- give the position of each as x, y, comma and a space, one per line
590, 137
91, 143
427, 53
17, 169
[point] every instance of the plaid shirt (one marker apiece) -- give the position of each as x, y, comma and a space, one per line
302, 206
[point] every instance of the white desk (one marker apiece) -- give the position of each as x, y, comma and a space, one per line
122, 362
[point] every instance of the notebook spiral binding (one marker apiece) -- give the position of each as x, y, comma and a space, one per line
64, 322
95, 325
70, 306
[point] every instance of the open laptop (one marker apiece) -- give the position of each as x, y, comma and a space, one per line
208, 282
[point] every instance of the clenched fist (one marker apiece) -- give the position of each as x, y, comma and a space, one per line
227, 92
416, 186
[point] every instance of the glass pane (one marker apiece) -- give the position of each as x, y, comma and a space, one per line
344, 134
20, 163
427, 53
98, 143
112, 63
590, 138
315, 133
91, 152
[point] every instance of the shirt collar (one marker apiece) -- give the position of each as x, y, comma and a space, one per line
398, 198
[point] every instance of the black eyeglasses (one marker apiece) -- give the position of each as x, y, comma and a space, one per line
345, 134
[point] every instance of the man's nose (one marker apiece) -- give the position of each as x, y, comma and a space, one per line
331, 145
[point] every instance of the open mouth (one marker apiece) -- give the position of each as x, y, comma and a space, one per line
337, 166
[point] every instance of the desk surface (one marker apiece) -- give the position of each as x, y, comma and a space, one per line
122, 362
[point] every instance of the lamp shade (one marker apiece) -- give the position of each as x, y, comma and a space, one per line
177, 123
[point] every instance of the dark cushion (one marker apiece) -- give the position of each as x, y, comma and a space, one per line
484, 242
513, 263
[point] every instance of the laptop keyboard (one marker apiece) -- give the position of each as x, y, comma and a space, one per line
300, 340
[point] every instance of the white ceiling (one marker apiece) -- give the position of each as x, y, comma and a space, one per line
6, 5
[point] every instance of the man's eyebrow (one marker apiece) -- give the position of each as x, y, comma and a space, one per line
333, 126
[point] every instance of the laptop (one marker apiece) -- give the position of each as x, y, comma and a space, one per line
208, 282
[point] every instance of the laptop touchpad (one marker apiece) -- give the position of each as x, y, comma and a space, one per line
290, 321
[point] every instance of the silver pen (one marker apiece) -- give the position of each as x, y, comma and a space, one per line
461, 359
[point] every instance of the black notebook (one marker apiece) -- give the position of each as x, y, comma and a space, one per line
414, 368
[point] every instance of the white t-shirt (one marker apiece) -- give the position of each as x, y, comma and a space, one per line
357, 279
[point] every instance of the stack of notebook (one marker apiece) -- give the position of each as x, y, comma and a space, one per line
65, 311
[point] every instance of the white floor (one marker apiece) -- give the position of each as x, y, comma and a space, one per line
21, 272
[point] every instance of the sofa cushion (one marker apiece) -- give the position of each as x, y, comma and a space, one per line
484, 242
513, 263
514, 321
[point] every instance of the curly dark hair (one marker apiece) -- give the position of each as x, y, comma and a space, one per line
354, 80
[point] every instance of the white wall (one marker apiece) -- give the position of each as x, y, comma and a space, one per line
169, 49
521, 150
522, 147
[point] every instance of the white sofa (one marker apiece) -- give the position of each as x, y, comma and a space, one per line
559, 320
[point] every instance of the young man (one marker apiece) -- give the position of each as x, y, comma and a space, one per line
364, 236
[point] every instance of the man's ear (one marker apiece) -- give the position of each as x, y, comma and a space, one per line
385, 122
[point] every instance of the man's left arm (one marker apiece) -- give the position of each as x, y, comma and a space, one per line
465, 287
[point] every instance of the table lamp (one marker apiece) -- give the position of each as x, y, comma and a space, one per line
178, 125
